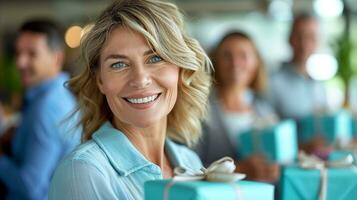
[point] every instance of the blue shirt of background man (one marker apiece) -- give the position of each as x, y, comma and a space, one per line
294, 95
41, 140
110, 167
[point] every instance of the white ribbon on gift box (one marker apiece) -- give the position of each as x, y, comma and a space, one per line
221, 170
314, 162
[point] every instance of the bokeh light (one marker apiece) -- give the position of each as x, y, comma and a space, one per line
73, 36
322, 66
328, 8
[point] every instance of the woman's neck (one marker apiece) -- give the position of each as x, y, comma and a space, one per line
232, 98
150, 141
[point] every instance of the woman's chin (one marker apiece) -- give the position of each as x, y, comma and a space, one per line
145, 123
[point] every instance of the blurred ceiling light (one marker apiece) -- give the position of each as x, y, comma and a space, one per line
73, 36
280, 9
328, 8
322, 66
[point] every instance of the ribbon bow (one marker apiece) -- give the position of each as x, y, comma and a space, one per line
314, 162
221, 170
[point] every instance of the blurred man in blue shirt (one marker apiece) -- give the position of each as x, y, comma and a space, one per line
294, 94
47, 131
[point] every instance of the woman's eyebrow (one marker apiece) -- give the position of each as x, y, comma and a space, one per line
115, 56
148, 52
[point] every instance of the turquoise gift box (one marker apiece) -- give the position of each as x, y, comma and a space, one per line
340, 154
297, 183
204, 190
277, 143
354, 126
332, 127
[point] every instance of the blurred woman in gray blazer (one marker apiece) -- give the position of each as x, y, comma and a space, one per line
236, 105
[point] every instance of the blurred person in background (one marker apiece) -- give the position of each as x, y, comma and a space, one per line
236, 105
294, 94
2, 117
2, 120
45, 133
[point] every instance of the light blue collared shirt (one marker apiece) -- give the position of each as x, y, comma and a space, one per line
110, 167
42, 139
295, 96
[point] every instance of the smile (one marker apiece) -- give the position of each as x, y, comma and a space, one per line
143, 100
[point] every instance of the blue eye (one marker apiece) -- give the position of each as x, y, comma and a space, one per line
119, 65
155, 59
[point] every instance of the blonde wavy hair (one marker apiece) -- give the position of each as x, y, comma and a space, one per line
161, 23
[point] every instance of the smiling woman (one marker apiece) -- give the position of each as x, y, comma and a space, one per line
144, 87
140, 87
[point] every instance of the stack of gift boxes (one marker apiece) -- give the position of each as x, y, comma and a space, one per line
340, 181
279, 143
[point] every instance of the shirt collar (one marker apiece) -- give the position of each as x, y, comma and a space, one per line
44, 86
122, 154
291, 69
171, 150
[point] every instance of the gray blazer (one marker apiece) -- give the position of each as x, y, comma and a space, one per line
215, 142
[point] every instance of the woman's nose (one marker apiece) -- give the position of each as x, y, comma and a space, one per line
236, 62
141, 78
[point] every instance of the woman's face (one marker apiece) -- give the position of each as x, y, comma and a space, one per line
140, 87
237, 62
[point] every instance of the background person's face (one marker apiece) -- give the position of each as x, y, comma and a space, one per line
236, 62
304, 39
34, 60
140, 87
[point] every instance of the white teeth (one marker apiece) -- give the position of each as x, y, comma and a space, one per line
143, 100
